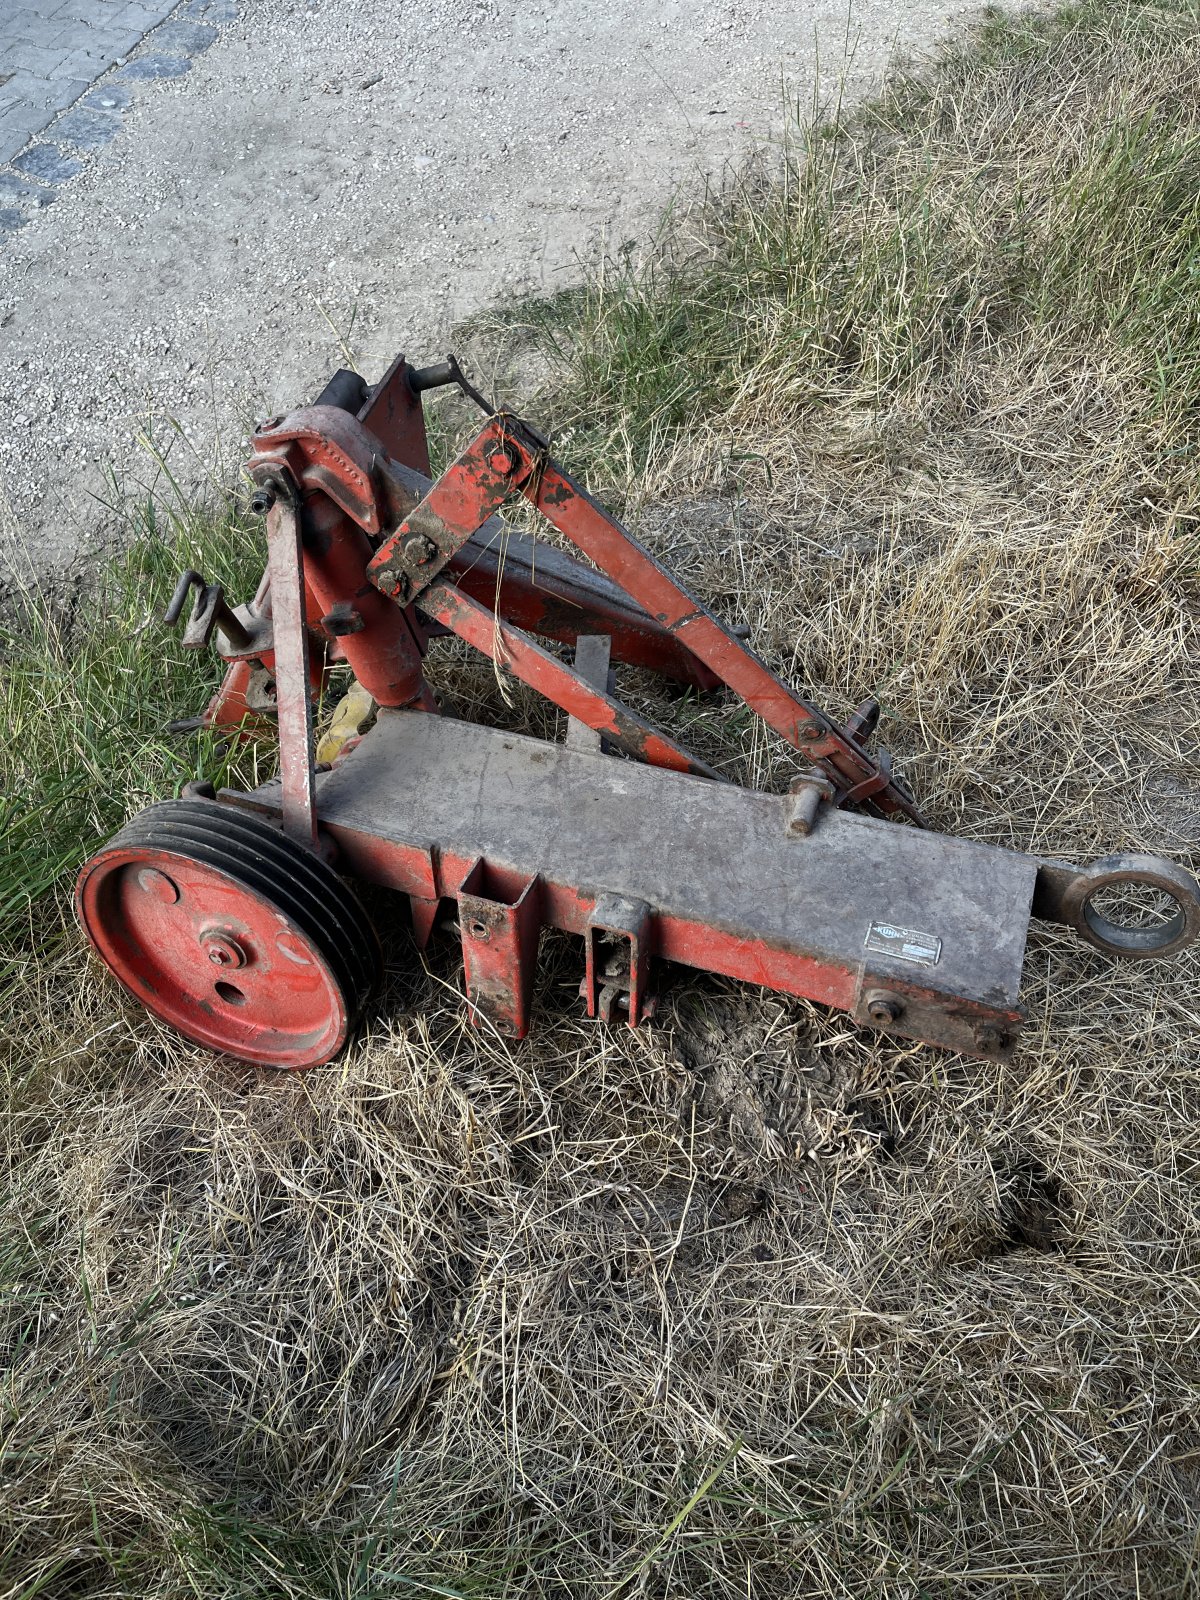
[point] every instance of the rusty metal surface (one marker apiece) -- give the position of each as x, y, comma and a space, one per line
547, 592
1069, 894
293, 706
326, 449
859, 776
592, 655
500, 923
730, 891
393, 413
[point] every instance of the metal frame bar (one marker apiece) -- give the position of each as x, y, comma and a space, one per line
507, 457
563, 685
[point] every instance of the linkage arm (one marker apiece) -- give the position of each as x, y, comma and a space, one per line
511, 648
508, 457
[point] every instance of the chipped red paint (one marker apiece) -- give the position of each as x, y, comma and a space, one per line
211, 957
394, 415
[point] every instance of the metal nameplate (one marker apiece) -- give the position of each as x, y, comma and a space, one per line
904, 944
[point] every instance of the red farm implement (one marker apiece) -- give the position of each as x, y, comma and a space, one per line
229, 917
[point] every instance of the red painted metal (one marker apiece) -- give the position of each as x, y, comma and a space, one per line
500, 922
546, 592
905, 930
383, 653
558, 682
210, 957
506, 457
393, 413
614, 550
293, 701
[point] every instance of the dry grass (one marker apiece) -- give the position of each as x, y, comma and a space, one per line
746, 1304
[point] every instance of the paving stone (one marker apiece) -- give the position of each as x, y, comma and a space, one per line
147, 67
32, 29
91, 59
215, 11
144, 14
47, 162
39, 8
110, 96
10, 221
14, 188
183, 38
87, 129
33, 59
52, 52
19, 116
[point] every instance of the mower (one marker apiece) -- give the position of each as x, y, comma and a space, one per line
228, 914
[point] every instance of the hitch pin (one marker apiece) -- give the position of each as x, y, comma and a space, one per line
209, 612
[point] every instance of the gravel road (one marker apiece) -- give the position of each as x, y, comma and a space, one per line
367, 172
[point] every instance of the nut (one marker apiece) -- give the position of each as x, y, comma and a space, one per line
419, 548
884, 1007
222, 948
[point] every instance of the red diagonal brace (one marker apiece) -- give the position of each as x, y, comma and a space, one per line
558, 682
505, 457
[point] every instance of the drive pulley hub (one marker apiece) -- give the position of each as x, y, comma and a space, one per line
230, 932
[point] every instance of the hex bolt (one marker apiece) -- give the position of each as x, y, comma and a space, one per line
501, 463
261, 501
222, 949
804, 802
419, 548
883, 1007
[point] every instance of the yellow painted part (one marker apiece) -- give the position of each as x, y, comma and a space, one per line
355, 711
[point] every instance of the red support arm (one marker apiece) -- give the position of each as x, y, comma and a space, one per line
558, 682
506, 457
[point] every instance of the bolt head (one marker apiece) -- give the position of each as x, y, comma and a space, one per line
222, 949
884, 1008
420, 548
501, 463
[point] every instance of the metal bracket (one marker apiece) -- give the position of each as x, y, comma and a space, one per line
592, 654
1065, 893
209, 613
618, 939
500, 920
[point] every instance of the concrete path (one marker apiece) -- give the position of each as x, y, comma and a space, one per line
242, 197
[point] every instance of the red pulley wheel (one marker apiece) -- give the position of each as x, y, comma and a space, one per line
231, 932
